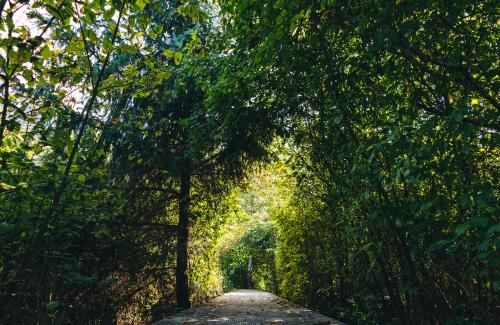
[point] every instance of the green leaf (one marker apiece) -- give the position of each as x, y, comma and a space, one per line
152, 33
5, 186
168, 53
366, 247
141, 4
53, 305
106, 43
45, 53
460, 230
494, 229
177, 58
22, 185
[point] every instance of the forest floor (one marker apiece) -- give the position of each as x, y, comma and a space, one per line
249, 307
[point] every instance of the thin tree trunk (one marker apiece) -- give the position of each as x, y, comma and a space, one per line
249, 272
393, 291
87, 113
3, 119
6, 85
181, 271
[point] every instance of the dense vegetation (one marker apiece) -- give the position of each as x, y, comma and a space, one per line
247, 248
148, 148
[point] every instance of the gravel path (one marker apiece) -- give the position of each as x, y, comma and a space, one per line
249, 307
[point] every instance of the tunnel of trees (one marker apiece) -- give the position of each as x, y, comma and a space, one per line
150, 148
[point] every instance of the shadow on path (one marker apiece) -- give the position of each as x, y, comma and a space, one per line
248, 307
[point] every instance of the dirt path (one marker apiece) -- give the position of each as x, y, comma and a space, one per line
249, 307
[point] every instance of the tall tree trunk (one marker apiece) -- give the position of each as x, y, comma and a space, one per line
181, 271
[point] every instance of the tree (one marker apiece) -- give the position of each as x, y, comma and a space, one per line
73, 231
179, 138
125, 126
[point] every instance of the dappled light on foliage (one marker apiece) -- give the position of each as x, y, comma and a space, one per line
247, 252
342, 154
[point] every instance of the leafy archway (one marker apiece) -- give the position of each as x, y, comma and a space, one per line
127, 127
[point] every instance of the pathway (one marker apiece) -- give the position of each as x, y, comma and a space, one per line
247, 307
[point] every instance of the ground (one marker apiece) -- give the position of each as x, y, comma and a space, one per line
248, 307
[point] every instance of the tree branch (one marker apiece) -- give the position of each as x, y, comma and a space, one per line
87, 110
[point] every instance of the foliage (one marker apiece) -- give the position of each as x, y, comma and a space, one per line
392, 109
258, 243
88, 196
126, 125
